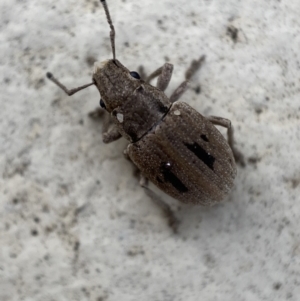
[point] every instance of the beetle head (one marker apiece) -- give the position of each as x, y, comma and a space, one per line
114, 82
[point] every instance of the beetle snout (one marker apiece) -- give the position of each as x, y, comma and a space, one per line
99, 65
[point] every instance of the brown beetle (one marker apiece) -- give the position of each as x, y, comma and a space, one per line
172, 145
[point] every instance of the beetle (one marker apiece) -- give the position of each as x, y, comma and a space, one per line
172, 145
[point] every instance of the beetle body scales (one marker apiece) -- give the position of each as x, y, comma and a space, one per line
173, 145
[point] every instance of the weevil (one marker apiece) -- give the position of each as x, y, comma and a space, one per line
172, 145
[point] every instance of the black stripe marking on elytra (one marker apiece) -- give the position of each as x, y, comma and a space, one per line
171, 178
202, 154
204, 137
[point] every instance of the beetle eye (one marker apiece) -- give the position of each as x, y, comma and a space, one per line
102, 104
135, 74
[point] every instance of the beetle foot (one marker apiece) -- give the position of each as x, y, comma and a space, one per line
173, 222
239, 157
111, 136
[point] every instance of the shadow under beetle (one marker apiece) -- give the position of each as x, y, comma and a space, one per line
172, 145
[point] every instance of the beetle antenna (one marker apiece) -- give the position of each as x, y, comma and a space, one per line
112, 31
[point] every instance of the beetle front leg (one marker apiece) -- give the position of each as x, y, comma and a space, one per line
111, 135
173, 221
164, 74
110, 132
239, 158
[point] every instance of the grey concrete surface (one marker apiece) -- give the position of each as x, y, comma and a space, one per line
74, 223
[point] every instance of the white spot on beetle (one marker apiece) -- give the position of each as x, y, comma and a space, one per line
168, 165
120, 117
177, 112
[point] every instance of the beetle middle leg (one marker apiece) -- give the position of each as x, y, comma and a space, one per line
239, 158
193, 68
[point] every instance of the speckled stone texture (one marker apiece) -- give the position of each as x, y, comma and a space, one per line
74, 223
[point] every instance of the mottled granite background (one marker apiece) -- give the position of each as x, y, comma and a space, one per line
74, 223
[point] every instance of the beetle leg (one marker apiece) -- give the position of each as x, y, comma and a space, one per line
97, 113
153, 75
111, 135
173, 221
164, 74
164, 77
179, 91
227, 124
141, 72
195, 66
107, 122
110, 132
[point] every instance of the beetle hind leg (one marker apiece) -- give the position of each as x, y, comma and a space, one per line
238, 156
172, 220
